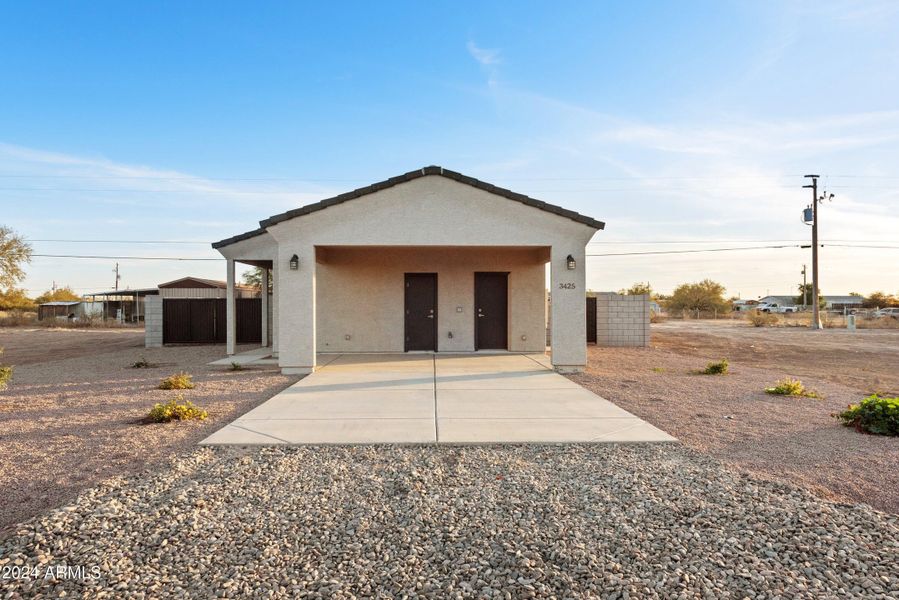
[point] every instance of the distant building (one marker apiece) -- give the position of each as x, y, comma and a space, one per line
830, 302
744, 305
69, 309
778, 300
841, 302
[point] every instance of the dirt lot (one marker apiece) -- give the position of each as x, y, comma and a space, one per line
71, 416
30, 345
787, 439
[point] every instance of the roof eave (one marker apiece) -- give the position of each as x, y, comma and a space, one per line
238, 238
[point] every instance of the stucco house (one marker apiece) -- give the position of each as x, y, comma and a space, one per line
431, 260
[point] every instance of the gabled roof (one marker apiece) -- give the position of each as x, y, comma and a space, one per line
406, 177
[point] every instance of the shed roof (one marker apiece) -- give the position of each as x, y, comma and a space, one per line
128, 292
199, 282
61, 303
410, 176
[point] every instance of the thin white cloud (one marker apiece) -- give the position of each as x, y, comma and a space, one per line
78, 177
719, 177
485, 56
489, 59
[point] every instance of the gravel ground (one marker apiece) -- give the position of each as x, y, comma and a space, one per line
71, 416
730, 417
638, 521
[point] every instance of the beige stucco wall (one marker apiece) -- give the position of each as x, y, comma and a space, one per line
429, 211
360, 294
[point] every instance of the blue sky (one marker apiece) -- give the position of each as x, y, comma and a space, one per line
672, 122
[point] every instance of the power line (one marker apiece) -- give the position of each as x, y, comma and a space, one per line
859, 246
653, 242
244, 192
91, 256
736, 249
695, 251
606, 242
200, 178
119, 241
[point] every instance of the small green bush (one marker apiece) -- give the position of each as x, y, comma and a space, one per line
179, 381
176, 409
5, 376
873, 415
236, 366
716, 368
141, 363
791, 387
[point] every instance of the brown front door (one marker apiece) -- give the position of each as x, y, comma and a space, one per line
421, 311
491, 326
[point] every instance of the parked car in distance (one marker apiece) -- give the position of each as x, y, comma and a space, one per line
773, 307
887, 312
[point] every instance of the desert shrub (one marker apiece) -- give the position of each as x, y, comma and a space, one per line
176, 409
873, 415
716, 368
236, 366
141, 363
655, 317
757, 318
17, 318
5, 376
791, 387
178, 381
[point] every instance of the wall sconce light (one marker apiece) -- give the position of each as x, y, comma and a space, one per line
571, 263
294, 262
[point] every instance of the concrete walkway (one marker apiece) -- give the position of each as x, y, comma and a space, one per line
442, 398
256, 356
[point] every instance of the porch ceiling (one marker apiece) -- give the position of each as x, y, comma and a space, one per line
262, 264
340, 253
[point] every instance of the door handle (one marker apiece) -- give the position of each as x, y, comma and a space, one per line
481, 315
430, 316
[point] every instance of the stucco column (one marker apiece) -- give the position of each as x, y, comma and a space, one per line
230, 311
296, 309
264, 293
275, 322
569, 311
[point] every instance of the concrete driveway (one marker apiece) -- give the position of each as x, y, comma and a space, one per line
442, 398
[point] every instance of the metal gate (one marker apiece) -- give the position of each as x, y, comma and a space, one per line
591, 319
204, 320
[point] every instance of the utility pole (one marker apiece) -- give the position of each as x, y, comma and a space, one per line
804, 290
117, 276
816, 316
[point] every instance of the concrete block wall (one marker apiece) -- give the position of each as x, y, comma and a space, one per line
622, 320
153, 322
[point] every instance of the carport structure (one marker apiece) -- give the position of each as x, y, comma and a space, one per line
431, 261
